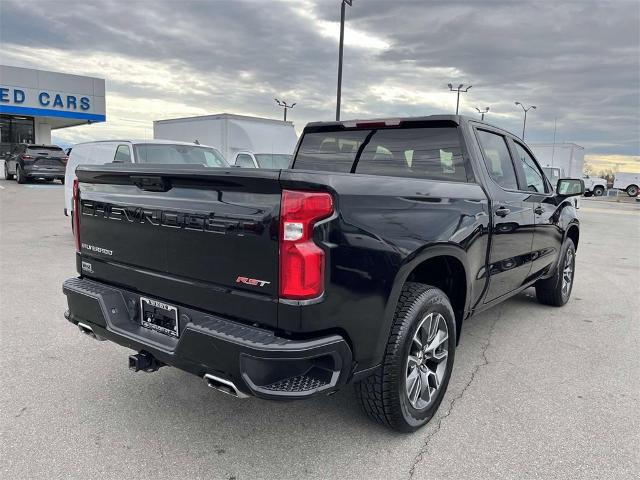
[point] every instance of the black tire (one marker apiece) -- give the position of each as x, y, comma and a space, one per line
551, 291
20, 178
7, 175
588, 194
632, 190
383, 395
598, 191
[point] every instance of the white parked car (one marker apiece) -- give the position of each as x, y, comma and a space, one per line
595, 186
136, 151
627, 181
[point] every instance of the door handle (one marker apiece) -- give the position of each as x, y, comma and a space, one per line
502, 211
538, 210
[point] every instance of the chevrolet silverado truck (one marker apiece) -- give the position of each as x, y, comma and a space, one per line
358, 265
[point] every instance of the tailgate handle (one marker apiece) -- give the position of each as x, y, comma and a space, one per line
151, 184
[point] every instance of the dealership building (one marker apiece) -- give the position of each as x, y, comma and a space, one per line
34, 102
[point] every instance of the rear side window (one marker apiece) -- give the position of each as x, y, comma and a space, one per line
497, 159
123, 154
431, 153
168, 154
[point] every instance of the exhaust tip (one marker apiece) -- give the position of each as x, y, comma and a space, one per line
225, 386
87, 330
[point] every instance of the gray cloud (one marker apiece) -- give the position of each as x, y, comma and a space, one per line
578, 61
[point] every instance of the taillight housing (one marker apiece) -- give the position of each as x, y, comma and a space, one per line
76, 213
25, 156
302, 262
64, 159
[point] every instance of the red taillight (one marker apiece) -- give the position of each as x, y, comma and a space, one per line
64, 158
24, 156
76, 213
301, 260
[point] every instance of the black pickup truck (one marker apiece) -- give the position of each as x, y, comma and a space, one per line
358, 265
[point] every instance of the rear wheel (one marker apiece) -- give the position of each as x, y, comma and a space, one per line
409, 386
20, 178
632, 190
598, 191
7, 175
556, 290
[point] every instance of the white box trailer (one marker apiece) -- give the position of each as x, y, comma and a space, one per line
569, 157
246, 141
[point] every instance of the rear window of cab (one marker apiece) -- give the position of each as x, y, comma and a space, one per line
430, 153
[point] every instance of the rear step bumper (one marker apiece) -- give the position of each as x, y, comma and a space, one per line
247, 359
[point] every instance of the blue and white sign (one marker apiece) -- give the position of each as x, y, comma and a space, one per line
48, 94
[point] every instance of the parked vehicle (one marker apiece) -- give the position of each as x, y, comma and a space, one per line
249, 142
262, 160
595, 186
627, 181
26, 162
358, 265
136, 151
569, 157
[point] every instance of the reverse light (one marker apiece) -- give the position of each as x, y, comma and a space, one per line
76, 213
302, 262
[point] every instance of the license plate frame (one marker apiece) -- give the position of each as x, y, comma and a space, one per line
156, 315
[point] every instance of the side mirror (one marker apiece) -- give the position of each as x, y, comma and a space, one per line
570, 187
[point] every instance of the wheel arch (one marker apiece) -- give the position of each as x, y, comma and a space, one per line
573, 232
426, 266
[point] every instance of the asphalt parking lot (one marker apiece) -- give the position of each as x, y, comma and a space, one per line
537, 392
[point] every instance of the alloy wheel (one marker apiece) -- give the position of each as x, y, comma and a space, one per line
427, 360
567, 273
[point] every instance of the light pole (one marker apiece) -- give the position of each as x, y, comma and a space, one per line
343, 4
459, 89
525, 109
482, 112
285, 106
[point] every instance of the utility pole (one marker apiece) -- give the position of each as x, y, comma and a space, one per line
525, 109
285, 106
459, 89
482, 112
343, 5
553, 148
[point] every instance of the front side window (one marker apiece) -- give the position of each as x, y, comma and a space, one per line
534, 177
245, 161
431, 153
497, 159
123, 154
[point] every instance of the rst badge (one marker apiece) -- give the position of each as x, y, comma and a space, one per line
252, 281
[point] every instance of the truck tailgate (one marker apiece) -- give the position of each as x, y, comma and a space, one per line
206, 238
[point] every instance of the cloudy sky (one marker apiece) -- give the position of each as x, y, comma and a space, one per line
578, 61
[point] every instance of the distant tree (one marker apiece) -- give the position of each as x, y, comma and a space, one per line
607, 174
589, 169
